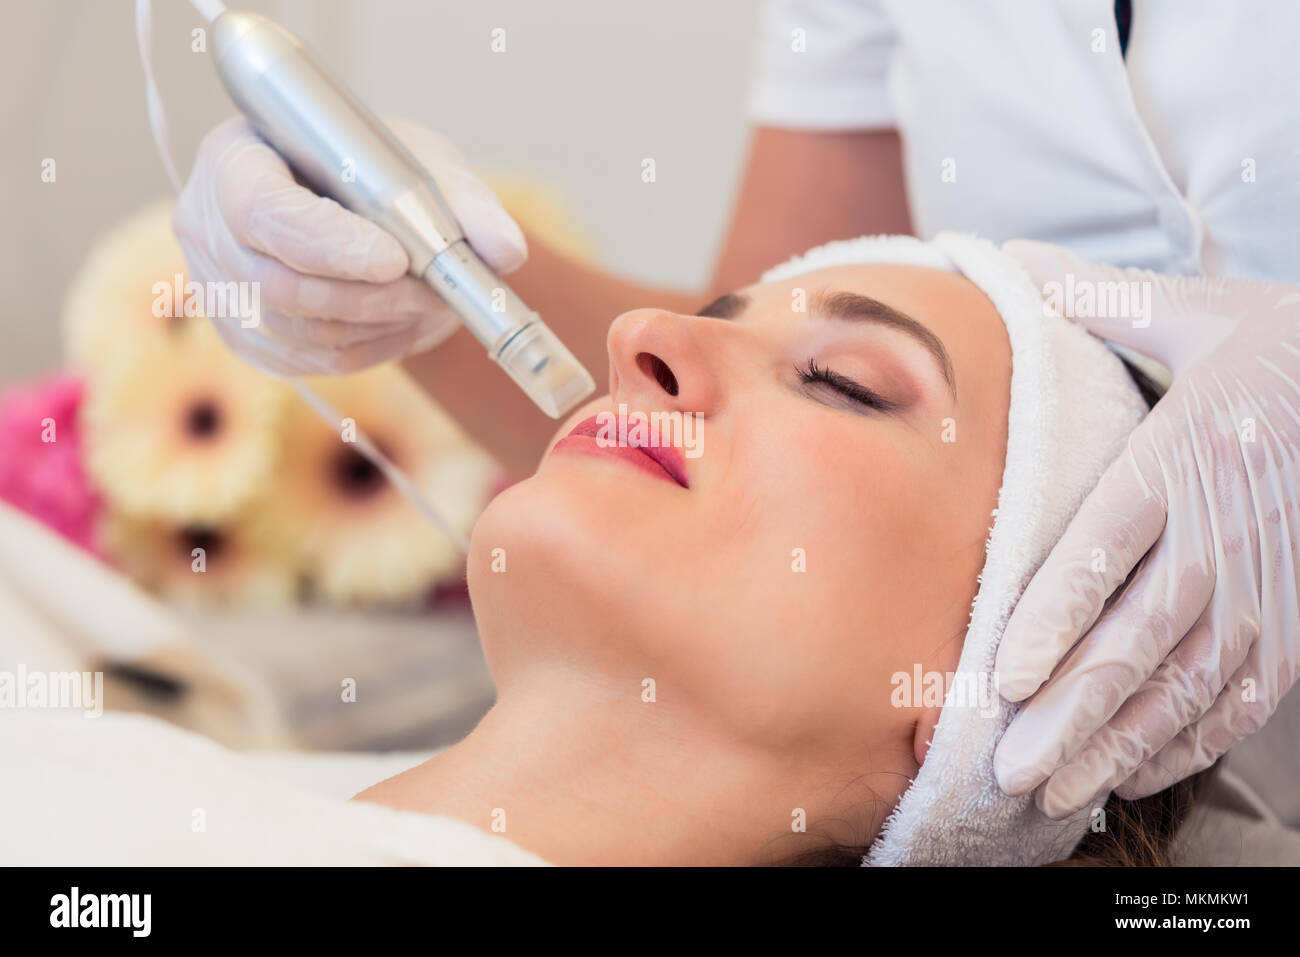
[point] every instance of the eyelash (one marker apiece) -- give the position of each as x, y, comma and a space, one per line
814, 374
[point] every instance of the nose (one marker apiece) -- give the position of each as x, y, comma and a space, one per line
661, 360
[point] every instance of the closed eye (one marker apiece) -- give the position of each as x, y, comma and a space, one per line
813, 374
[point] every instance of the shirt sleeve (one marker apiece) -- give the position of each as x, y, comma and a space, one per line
821, 64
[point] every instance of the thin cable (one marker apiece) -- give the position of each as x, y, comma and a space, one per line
210, 10
157, 118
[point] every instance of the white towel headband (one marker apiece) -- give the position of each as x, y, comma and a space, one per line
1073, 406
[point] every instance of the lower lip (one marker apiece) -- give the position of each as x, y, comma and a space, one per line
587, 445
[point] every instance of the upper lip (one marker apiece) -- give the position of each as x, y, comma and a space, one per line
667, 457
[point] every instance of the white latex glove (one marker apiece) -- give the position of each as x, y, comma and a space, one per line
1204, 509
334, 293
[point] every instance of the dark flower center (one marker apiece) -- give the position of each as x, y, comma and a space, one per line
355, 475
203, 419
211, 540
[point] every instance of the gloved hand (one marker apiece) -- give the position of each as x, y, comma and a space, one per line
1203, 508
334, 293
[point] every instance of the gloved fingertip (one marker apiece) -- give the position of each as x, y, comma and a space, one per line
515, 237
1014, 781
1051, 804
387, 261
1013, 777
1018, 687
1127, 791
491, 230
1014, 681
1069, 790
1139, 784
507, 249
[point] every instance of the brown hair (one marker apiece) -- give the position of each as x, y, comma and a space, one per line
1138, 833
1141, 832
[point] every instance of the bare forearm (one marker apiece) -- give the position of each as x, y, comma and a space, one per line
802, 188
578, 302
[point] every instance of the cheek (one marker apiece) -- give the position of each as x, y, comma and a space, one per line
823, 581
847, 500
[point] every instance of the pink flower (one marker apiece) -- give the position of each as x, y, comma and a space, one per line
40, 457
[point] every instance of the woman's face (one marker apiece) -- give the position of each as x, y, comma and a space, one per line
851, 431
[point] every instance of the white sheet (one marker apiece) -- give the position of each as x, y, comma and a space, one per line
132, 790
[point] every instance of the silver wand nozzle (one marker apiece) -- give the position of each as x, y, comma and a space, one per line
342, 150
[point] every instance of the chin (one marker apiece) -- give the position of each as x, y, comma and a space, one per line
529, 569
557, 559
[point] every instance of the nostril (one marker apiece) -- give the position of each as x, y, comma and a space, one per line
652, 365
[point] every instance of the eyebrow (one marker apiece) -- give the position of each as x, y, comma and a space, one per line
851, 307
726, 306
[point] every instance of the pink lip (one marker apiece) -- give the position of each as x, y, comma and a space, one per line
658, 461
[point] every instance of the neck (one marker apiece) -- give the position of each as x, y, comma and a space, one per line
581, 774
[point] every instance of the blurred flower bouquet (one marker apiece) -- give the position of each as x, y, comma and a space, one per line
206, 480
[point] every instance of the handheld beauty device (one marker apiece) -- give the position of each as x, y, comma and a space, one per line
342, 150
327, 135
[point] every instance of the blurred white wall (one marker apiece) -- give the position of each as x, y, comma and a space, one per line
585, 90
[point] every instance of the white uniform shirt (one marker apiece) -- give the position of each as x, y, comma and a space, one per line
1021, 119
